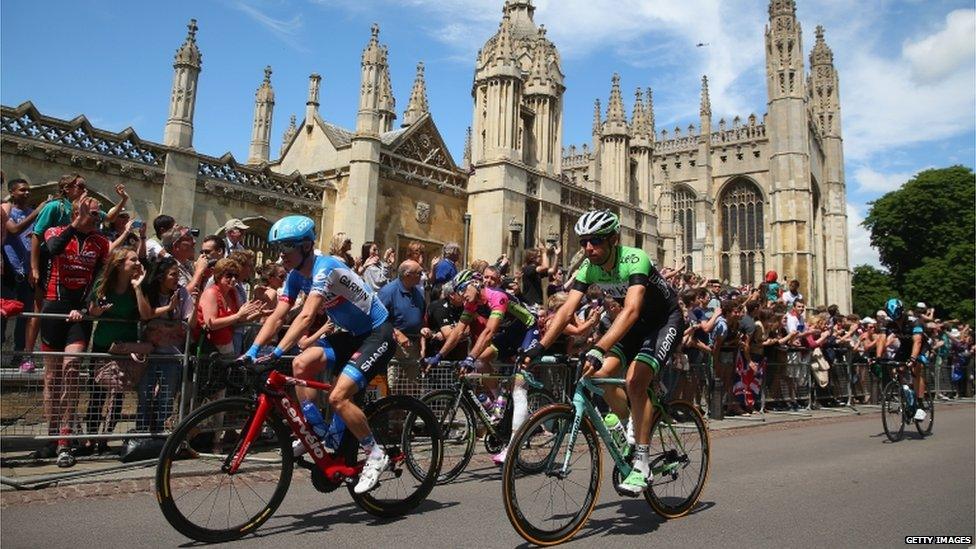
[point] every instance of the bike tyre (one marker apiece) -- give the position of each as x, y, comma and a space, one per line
556, 414
671, 511
414, 409
184, 433
448, 396
893, 406
925, 427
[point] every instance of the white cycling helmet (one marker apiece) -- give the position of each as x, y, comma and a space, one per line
598, 222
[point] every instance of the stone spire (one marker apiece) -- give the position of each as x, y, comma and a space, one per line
821, 54
312, 103
260, 149
183, 97
784, 58
373, 86
466, 161
650, 113
616, 116
597, 121
387, 105
782, 7
503, 53
418, 106
289, 134
638, 120
705, 109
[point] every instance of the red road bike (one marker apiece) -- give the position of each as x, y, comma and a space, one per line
225, 469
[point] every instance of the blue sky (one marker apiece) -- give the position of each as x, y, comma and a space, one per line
907, 67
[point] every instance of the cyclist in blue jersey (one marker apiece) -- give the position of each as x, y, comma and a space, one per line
364, 345
911, 339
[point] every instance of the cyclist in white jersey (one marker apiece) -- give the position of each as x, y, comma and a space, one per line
364, 346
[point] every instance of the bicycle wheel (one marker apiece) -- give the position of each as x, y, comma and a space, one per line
682, 459
546, 505
893, 411
409, 434
198, 498
457, 423
925, 426
538, 399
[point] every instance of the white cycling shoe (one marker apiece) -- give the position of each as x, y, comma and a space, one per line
370, 477
920, 415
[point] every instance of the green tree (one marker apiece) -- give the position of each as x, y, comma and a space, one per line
924, 233
870, 288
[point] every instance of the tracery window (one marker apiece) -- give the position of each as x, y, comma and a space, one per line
741, 210
683, 203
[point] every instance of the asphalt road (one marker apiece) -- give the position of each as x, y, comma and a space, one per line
830, 482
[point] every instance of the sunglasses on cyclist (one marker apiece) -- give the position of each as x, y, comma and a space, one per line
594, 240
287, 247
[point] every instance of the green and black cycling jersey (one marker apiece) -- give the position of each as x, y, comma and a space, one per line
657, 332
632, 267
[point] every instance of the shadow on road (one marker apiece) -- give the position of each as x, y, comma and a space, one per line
322, 520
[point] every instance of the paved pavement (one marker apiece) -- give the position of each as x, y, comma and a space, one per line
834, 481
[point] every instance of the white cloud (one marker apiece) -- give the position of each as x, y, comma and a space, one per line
859, 240
872, 181
939, 55
285, 30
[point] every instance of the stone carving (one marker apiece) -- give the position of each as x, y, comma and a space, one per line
425, 148
423, 213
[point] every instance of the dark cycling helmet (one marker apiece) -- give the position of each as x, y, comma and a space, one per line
598, 222
293, 228
894, 307
463, 278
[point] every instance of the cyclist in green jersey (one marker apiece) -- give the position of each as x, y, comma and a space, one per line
644, 334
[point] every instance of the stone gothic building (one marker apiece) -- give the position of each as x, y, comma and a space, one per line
729, 201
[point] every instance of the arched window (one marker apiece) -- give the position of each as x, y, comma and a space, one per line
741, 211
683, 202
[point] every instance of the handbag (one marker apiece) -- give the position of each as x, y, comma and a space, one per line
125, 372
820, 368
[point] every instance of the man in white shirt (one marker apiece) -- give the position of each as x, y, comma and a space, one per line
233, 234
792, 294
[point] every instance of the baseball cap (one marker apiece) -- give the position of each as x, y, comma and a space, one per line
235, 224
881, 314
868, 320
920, 305
171, 236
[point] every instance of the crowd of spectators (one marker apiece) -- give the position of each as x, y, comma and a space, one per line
166, 289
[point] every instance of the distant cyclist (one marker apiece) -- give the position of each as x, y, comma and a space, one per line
364, 345
501, 327
643, 335
911, 339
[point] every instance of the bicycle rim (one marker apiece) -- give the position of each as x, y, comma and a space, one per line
458, 432
537, 399
893, 411
197, 497
408, 431
683, 452
925, 427
544, 506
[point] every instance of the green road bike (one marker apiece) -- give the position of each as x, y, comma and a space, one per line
553, 469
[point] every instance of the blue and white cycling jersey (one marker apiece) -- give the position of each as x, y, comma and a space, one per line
349, 302
295, 284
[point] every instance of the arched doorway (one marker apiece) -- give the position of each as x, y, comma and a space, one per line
683, 203
743, 234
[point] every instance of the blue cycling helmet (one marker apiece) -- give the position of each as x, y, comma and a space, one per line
293, 228
894, 307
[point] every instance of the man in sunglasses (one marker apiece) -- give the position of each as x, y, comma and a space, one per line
644, 334
362, 349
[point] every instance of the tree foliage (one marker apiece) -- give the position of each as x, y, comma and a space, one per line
870, 288
924, 233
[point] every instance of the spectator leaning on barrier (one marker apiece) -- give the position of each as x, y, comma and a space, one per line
19, 226
796, 356
77, 253
166, 306
404, 300
220, 309
233, 236
115, 302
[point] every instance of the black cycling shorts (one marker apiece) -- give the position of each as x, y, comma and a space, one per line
57, 333
361, 357
652, 343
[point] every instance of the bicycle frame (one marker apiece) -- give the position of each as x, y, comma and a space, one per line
584, 407
466, 393
273, 395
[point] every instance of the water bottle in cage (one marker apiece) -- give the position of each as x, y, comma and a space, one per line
500, 404
909, 396
314, 418
486, 402
617, 432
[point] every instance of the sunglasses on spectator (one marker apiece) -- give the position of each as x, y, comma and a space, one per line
231, 275
594, 240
